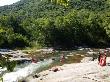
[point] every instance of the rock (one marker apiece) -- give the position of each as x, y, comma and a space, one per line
23, 81
53, 58
36, 76
41, 79
55, 70
41, 59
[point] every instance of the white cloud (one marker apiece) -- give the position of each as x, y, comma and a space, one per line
7, 2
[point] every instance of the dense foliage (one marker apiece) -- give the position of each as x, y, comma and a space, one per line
5, 62
47, 23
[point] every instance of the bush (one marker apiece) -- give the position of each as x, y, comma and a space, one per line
10, 65
5, 62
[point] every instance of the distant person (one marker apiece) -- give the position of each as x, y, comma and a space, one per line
102, 59
34, 60
62, 58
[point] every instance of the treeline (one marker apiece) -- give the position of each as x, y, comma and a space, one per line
76, 28
72, 27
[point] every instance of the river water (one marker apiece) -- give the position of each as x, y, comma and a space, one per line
24, 70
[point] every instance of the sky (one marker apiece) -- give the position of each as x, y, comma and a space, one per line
7, 2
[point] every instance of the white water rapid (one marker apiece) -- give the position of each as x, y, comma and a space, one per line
26, 71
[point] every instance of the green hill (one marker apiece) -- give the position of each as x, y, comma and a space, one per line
45, 23
34, 8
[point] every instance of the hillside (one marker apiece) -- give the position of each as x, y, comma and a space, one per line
43, 23
44, 7
34, 8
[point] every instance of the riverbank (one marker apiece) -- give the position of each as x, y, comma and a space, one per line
86, 71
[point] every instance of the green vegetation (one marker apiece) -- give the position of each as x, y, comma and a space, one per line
5, 62
65, 24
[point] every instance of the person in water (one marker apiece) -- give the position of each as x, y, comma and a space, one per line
34, 60
62, 58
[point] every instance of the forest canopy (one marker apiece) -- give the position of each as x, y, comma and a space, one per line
46, 23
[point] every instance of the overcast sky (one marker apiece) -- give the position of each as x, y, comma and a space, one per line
7, 2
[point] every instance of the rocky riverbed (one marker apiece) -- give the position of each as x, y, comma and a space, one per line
86, 71
78, 66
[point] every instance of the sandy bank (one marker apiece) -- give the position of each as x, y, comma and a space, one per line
87, 71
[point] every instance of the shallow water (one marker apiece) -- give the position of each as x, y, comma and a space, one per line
74, 56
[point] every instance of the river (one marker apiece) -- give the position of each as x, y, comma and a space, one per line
52, 59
